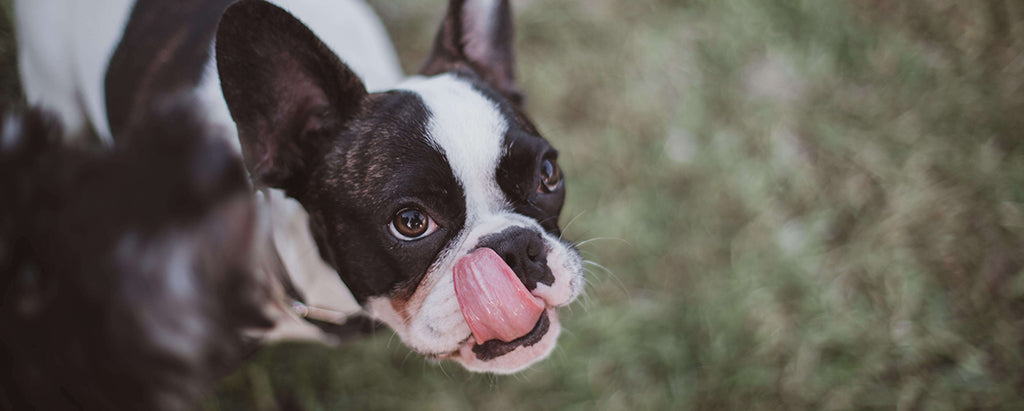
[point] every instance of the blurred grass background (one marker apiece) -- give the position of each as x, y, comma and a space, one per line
794, 204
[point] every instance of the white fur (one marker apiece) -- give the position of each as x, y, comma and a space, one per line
435, 325
65, 46
468, 128
349, 28
352, 30
563, 259
64, 50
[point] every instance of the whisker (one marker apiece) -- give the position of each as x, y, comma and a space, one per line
622, 285
390, 339
405, 359
585, 242
587, 254
519, 376
583, 300
569, 224
544, 220
440, 363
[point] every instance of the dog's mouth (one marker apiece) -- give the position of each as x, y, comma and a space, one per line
486, 356
510, 327
495, 348
494, 302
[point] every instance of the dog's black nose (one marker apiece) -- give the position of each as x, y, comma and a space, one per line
524, 251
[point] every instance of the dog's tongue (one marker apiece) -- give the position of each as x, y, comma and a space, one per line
494, 302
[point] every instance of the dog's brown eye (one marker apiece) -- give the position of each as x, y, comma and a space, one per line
550, 176
412, 224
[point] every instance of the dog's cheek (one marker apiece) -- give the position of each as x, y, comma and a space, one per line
382, 309
436, 324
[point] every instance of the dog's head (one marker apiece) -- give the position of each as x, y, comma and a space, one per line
126, 276
406, 187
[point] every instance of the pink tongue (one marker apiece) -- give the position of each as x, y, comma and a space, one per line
494, 302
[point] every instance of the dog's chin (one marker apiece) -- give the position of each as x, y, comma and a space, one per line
499, 357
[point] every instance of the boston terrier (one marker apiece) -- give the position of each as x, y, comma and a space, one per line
433, 198
130, 277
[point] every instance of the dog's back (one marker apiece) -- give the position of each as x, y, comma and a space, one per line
132, 274
94, 63
66, 47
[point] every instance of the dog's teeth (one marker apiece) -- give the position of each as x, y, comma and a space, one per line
493, 300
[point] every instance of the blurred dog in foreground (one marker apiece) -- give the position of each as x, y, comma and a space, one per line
127, 277
434, 199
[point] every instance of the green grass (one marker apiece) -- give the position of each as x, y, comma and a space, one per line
801, 204
10, 91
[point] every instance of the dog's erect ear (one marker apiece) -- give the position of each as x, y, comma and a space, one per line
477, 33
287, 92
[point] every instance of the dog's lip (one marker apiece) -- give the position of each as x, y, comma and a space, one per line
496, 348
491, 349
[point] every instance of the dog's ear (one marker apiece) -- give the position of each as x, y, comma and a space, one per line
287, 92
478, 34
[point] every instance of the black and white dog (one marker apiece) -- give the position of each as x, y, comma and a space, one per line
433, 198
128, 277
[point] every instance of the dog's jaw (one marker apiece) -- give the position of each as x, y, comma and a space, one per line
516, 360
431, 323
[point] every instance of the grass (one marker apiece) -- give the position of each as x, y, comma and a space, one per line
801, 204
10, 91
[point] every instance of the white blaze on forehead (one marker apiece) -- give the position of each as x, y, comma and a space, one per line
468, 129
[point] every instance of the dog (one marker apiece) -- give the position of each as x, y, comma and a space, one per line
432, 201
129, 278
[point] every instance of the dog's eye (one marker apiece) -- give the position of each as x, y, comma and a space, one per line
412, 224
550, 176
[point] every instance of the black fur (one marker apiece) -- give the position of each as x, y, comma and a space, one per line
381, 164
367, 159
126, 276
518, 172
164, 50
354, 159
288, 93
492, 57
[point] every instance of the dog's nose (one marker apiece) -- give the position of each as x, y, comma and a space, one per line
524, 251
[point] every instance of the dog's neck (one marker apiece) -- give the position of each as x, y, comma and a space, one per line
308, 296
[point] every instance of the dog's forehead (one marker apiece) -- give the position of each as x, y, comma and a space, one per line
469, 130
